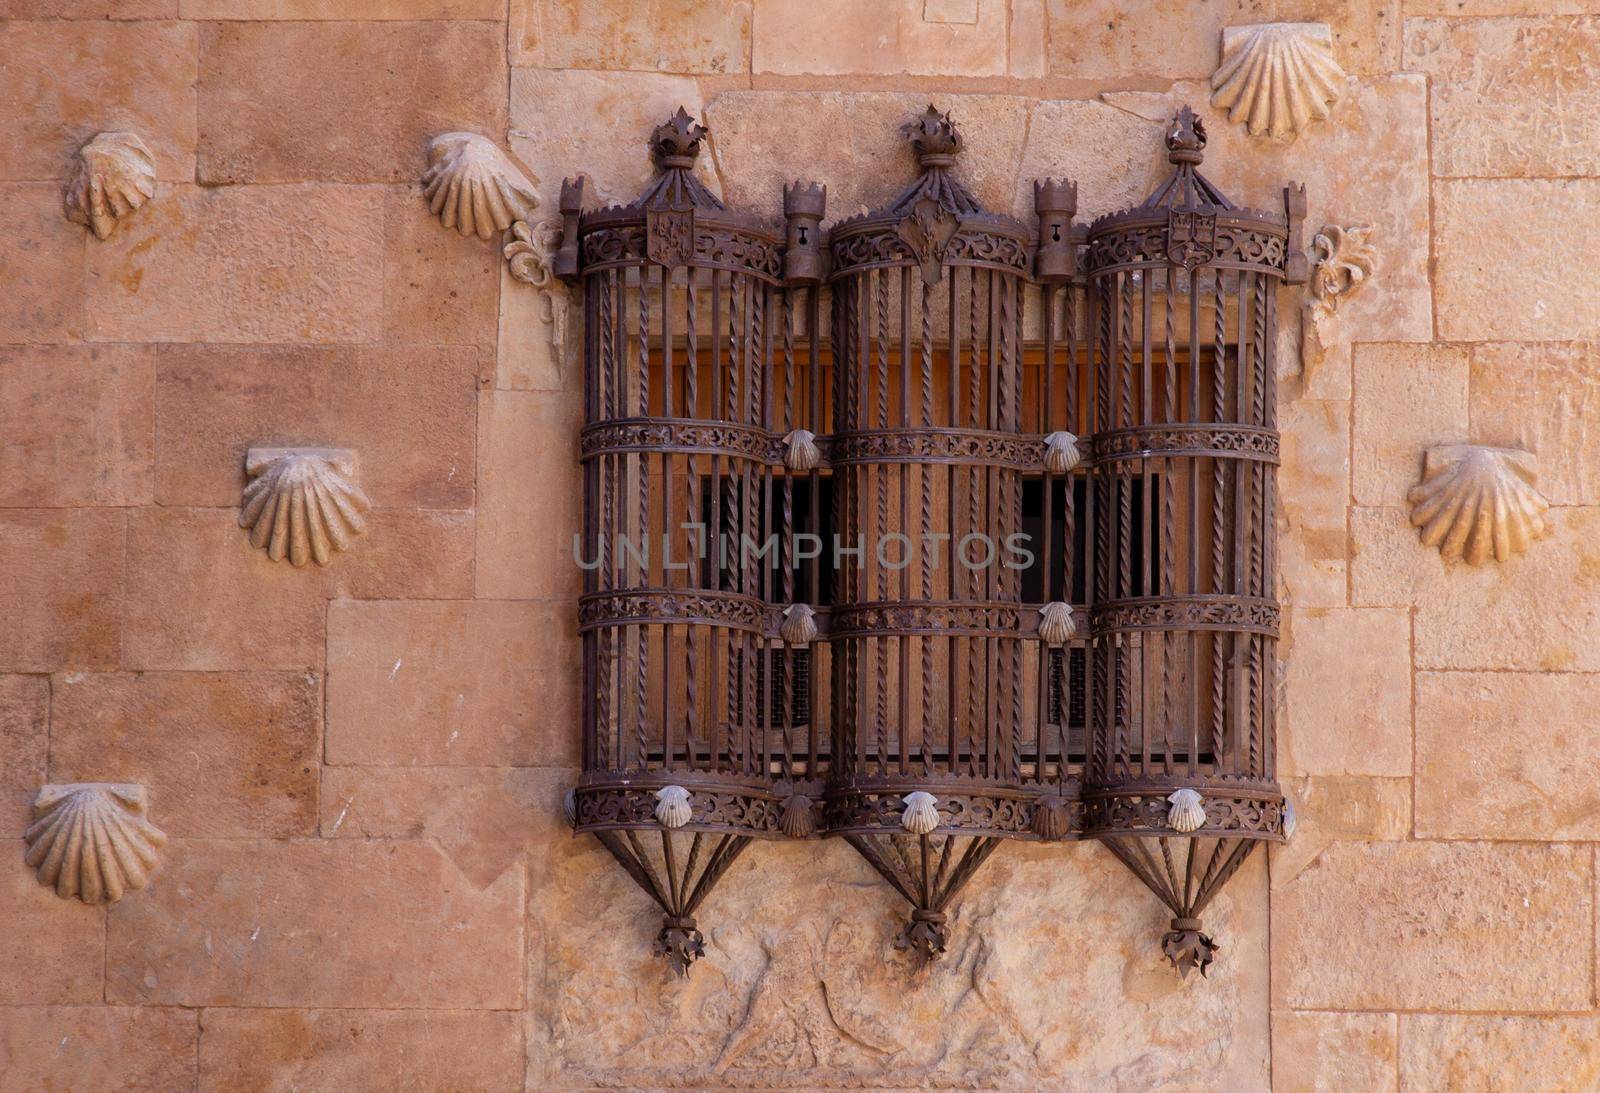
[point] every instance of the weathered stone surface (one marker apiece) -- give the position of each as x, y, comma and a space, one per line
801, 986
409, 412
1537, 398
555, 116
1331, 809
43, 301
61, 589
223, 755
1334, 1052
52, 950
1314, 495
1408, 398
224, 264
482, 817
88, 9
438, 288
408, 554
1362, 656
1431, 917
1467, 1054
1367, 165
527, 356
1112, 39
1535, 78
408, 684
342, 9
1114, 155
803, 37
1490, 284
659, 35
1506, 752
24, 746
760, 149
1500, 7
80, 426
200, 598
98, 1047
358, 1049
1534, 613
316, 922
529, 505
382, 89
63, 82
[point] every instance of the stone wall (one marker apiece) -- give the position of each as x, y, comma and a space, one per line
367, 883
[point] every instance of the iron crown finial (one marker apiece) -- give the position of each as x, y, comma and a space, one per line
934, 136
1186, 137
676, 142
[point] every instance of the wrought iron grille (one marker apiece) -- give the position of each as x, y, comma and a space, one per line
915, 387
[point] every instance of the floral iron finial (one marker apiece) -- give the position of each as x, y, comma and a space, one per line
676, 142
1186, 138
934, 136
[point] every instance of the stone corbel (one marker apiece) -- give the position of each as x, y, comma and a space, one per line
1343, 261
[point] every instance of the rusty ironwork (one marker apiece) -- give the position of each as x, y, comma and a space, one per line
919, 383
1184, 620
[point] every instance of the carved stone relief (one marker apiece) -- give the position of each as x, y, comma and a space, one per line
303, 503
113, 175
92, 840
1277, 78
1475, 502
1343, 262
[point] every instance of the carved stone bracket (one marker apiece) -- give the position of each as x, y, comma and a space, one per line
113, 175
303, 503
92, 840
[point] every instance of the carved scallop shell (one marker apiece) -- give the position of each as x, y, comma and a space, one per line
1052, 819
113, 176
569, 807
799, 626
796, 818
672, 806
921, 813
1474, 502
1291, 818
1188, 811
473, 187
1061, 453
92, 840
800, 451
1277, 78
1055, 623
302, 502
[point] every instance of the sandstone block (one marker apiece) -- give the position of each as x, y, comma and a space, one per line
1420, 918
409, 413
43, 301
407, 554
88, 9
409, 684
342, 9
242, 264
316, 922
793, 37
1314, 498
61, 588
382, 90
1500, 7
1536, 398
1534, 77
1534, 613
98, 1047
541, 344
555, 115
851, 141
1334, 1052
52, 950
438, 287
1333, 808
81, 426
1467, 1054
24, 745
1407, 399
1362, 656
200, 598
530, 502
1489, 284
661, 35
359, 1049
484, 818
64, 82
223, 755
1506, 753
